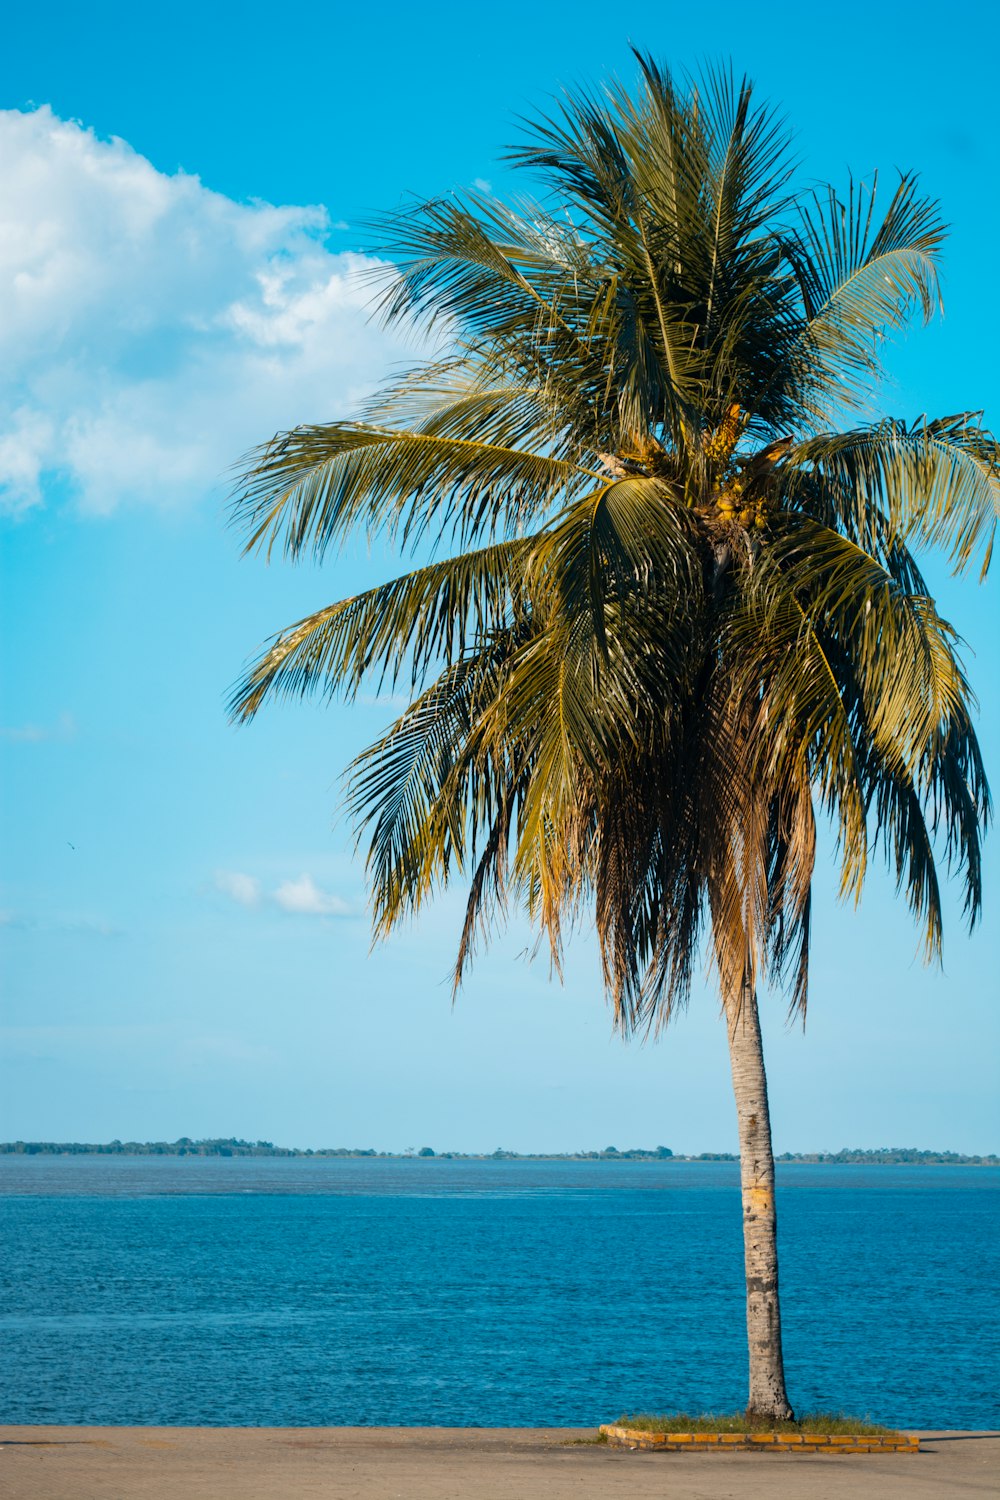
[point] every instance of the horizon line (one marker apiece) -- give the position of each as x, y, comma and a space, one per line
228, 1146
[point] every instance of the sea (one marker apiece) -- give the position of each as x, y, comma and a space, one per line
325, 1292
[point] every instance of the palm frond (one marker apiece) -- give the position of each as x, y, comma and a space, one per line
310, 487
626, 548
485, 269
396, 630
420, 790
686, 619
900, 652
936, 482
468, 399
861, 279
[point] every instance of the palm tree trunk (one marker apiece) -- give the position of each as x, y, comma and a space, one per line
768, 1398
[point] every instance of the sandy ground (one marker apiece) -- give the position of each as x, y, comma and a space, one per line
455, 1463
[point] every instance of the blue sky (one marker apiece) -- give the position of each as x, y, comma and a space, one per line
184, 948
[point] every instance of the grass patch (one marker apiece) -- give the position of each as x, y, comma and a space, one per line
831, 1423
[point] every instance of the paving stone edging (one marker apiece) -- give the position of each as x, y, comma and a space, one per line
770, 1442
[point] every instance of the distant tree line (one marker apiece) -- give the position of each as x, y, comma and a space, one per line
232, 1146
891, 1156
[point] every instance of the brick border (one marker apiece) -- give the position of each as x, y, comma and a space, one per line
759, 1442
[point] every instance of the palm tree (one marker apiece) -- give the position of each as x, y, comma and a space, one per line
672, 614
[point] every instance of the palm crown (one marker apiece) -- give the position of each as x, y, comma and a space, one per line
674, 611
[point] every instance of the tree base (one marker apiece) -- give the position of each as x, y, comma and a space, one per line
773, 1412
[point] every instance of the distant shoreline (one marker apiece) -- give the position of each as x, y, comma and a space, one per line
234, 1147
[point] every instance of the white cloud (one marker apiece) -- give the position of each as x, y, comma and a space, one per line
242, 888
152, 329
482, 185
33, 734
304, 895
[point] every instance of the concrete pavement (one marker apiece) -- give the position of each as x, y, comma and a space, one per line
453, 1463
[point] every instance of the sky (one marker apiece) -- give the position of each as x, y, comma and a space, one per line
184, 947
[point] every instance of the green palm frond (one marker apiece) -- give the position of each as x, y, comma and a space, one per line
491, 272
934, 481
861, 279
792, 857
750, 165
418, 791
468, 400
399, 629
786, 670
686, 619
603, 154
312, 485
611, 554
901, 653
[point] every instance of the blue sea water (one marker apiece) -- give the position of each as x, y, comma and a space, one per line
297, 1292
